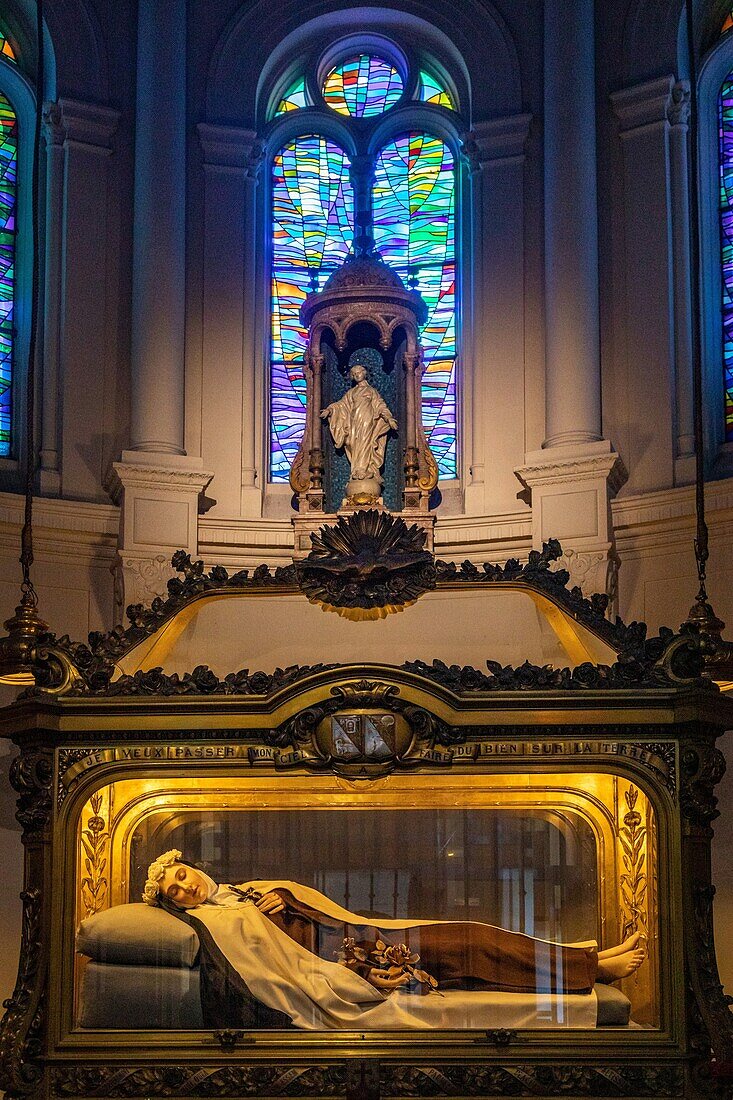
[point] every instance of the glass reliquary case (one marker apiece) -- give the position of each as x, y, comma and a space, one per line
368, 879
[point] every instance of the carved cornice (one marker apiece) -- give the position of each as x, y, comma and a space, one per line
495, 141
160, 478
230, 147
643, 105
355, 1078
88, 124
549, 468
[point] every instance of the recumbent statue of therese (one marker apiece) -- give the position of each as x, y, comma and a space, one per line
303, 949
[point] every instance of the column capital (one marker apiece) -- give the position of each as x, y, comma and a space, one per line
678, 108
645, 104
53, 129
231, 147
497, 139
556, 466
87, 123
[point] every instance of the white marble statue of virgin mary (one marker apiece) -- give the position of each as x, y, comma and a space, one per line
360, 422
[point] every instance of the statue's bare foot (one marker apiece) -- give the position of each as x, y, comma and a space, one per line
628, 945
620, 966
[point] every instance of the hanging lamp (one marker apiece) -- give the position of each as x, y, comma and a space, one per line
702, 619
18, 647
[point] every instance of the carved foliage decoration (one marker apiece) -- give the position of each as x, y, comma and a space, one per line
20, 1030
633, 881
31, 774
94, 842
459, 1080
702, 766
665, 660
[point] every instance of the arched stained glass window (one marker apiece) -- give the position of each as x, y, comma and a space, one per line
8, 177
362, 87
412, 224
432, 91
312, 233
293, 99
6, 49
414, 230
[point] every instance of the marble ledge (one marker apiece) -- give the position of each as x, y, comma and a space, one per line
666, 506
54, 514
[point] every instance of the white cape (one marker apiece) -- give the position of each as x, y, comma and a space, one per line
325, 996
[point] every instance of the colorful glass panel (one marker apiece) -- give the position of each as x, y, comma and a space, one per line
725, 114
8, 176
293, 99
414, 229
727, 23
432, 91
362, 86
6, 50
312, 233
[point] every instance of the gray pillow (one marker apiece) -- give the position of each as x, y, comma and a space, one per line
139, 934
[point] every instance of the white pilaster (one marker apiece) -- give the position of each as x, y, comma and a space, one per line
53, 133
492, 358
652, 292
88, 133
230, 429
678, 113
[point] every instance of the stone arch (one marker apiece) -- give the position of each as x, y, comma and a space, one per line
650, 40
81, 61
467, 37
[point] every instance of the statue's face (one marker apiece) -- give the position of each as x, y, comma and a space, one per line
358, 373
184, 886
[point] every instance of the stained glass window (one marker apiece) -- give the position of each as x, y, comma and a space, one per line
727, 23
432, 91
6, 50
362, 86
312, 232
725, 115
293, 98
8, 173
414, 229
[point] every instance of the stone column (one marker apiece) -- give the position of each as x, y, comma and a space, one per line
157, 485
572, 356
573, 476
159, 230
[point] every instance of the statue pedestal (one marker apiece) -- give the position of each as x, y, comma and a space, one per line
309, 523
